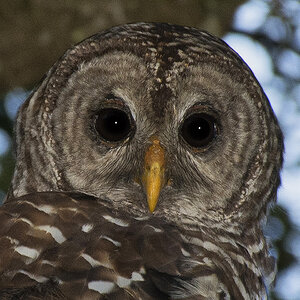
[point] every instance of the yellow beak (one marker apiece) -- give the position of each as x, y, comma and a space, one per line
154, 173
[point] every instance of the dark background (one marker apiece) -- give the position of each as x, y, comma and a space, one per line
35, 33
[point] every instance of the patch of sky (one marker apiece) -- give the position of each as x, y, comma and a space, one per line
288, 284
250, 16
13, 100
4, 142
289, 64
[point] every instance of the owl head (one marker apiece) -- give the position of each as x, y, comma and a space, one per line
153, 119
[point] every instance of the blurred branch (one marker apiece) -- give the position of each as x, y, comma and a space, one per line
33, 34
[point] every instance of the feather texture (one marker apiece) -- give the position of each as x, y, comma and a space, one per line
72, 245
76, 223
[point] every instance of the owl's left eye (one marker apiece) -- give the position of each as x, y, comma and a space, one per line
113, 124
198, 129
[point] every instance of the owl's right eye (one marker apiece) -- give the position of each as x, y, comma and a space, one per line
113, 124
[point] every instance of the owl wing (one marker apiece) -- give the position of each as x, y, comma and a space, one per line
70, 246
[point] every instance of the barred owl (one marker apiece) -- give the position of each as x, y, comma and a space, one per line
147, 159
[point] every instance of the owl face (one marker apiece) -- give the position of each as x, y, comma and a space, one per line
156, 120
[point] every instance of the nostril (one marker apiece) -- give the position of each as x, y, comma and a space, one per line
169, 182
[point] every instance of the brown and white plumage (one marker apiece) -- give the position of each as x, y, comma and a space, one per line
76, 223
86, 250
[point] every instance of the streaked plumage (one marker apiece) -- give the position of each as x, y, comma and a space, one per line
76, 224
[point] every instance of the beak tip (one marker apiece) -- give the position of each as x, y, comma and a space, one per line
151, 207
151, 210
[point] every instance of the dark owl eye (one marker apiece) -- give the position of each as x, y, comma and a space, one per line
198, 129
113, 124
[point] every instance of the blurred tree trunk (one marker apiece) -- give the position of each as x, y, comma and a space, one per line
34, 33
